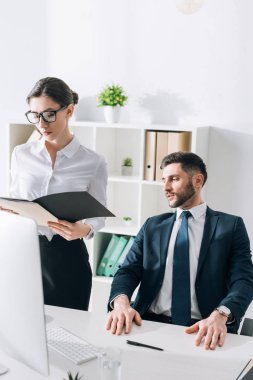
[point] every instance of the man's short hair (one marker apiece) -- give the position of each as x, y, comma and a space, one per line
189, 161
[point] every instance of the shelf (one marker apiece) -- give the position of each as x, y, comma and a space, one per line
152, 183
126, 195
123, 200
117, 226
103, 279
116, 144
126, 179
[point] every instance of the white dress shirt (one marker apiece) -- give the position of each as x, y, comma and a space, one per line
76, 168
162, 303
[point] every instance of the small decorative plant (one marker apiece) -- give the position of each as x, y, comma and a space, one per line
72, 377
127, 220
127, 161
127, 166
112, 96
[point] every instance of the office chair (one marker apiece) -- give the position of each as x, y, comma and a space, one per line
247, 327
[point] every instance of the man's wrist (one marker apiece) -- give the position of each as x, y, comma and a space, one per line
225, 311
120, 298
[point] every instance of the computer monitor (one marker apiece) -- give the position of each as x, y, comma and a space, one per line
22, 321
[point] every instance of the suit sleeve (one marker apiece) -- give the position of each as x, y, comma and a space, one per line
240, 278
129, 275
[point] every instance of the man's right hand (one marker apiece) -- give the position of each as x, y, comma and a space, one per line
122, 316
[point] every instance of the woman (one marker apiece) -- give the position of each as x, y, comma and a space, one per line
58, 163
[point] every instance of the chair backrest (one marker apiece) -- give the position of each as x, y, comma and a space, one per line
247, 327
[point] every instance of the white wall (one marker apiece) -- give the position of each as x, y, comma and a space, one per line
23, 26
176, 68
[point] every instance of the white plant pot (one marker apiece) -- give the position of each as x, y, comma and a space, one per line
112, 114
126, 170
128, 222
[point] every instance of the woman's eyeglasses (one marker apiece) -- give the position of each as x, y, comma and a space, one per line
47, 116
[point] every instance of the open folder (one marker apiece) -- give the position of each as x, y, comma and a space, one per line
71, 206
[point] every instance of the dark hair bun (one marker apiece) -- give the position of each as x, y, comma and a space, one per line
75, 97
55, 89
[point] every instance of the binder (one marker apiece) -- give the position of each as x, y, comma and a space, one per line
71, 206
179, 141
122, 257
110, 248
150, 155
113, 258
35, 135
169, 142
161, 152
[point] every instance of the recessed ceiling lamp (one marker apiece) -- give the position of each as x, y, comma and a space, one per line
189, 6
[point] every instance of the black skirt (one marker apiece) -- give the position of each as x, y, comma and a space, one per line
66, 272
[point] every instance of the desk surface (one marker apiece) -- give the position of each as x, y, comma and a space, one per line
180, 360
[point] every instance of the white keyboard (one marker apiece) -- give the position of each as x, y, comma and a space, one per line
69, 345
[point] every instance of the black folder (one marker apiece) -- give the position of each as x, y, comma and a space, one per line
71, 206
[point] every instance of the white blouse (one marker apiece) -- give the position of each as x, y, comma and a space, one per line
76, 169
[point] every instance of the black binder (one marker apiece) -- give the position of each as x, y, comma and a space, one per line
71, 206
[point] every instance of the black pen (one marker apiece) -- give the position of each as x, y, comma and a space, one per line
144, 345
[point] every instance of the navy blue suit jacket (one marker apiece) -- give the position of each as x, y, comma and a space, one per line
224, 273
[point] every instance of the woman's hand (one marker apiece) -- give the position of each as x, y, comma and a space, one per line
70, 231
8, 210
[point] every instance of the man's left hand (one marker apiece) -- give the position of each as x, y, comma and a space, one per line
212, 331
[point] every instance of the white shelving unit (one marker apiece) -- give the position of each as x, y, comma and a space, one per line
126, 196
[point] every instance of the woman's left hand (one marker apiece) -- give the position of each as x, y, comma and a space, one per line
70, 231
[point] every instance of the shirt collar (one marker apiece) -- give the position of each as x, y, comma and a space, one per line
69, 150
39, 145
196, 211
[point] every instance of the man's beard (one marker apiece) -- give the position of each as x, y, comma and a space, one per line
184, 196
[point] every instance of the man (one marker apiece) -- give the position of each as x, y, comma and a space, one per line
206, 283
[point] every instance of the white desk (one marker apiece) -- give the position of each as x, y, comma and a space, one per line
181, 360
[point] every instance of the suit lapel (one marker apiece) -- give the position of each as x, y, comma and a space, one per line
165, 233
209, 228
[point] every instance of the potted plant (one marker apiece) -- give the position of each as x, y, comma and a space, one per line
112, 98
72, 377
127, 220
127, 166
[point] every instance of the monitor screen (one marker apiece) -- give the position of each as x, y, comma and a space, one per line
22, 322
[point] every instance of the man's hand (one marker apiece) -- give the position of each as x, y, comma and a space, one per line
211, 330
122, 316
70, 231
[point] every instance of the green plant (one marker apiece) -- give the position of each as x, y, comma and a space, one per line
127, 161
77, 376
127, 218
112, 96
